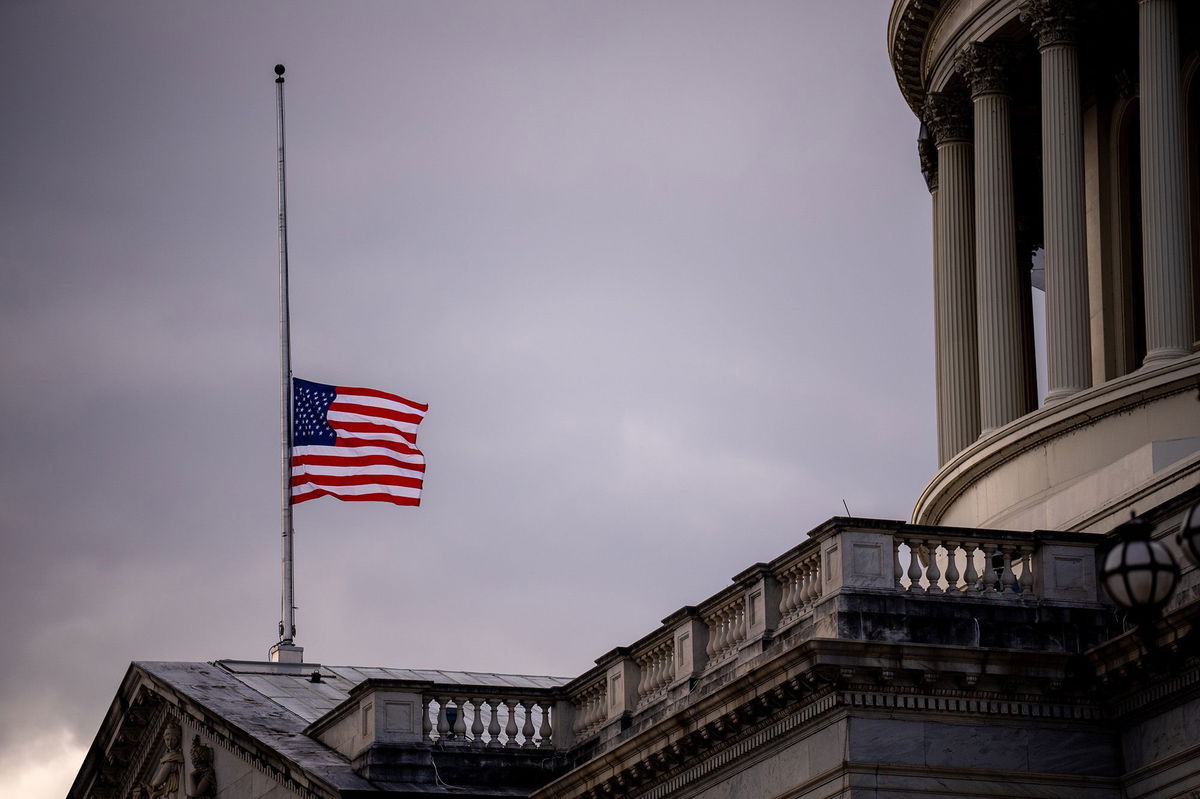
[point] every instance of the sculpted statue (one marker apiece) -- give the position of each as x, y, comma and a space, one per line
164, 784
202, 782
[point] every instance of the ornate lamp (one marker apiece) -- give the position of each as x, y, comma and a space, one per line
1138, 574
1188, 536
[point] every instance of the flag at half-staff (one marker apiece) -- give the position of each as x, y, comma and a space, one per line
355, 444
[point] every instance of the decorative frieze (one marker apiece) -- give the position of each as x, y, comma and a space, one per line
202, 781
164, 782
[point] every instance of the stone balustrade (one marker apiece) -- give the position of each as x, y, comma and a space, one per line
792, 598
590, 703
995, 565
964, 564
488, 718
656, 666
799, 578
726, 629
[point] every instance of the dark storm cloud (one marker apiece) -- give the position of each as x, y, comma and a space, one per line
661, 271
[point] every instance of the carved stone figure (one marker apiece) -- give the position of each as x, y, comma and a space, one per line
164, 783
202, 782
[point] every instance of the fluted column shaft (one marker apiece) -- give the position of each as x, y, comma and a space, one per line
1003, 372
1068, 334
954, 279
1165, 234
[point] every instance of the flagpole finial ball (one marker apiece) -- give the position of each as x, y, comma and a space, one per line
279, 69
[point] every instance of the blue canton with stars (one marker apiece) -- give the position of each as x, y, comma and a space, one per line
310, 405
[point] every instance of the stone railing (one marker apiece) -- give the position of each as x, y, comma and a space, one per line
489, 717
791, 598
799, 576
727, 631
962, 562
589, 702
656, 667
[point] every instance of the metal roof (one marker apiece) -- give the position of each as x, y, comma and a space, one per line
290, 684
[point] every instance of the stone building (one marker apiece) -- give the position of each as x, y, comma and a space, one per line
968, 652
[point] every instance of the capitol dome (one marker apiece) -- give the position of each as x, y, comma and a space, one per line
1061, 145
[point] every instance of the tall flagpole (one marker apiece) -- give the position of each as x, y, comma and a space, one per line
285, 651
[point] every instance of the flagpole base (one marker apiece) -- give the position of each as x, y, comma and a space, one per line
287, 653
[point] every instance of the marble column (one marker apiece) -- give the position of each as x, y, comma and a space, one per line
949, 119
1003, 372
1166, 244
1068, 331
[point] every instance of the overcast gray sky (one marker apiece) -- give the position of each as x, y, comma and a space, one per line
660, 269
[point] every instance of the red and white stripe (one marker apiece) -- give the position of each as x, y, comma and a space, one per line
375, 457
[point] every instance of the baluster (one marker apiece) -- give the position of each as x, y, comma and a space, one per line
443, 725
710, 649
896, 562
670, 669
805, 587
460, 719
581, 716
1025, 581
510, 724
951, 567
643, 678
989, 576
527, 727
914, 564
1007, 579
785, 602
932, 572
593, 708
739, 628
815, 578
546, 731
718, 640
477, 722
585, 714
971, 578
493, 728
426, 723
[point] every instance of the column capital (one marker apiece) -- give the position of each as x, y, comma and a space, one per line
984, 66
948, 115
1053, 22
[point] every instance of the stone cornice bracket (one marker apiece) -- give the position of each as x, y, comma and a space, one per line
984, 66
1053, 22
948, 116
927, 152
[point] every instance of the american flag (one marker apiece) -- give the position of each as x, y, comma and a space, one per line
355, 444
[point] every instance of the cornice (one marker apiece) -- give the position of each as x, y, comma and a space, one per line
908, 27
784, 692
